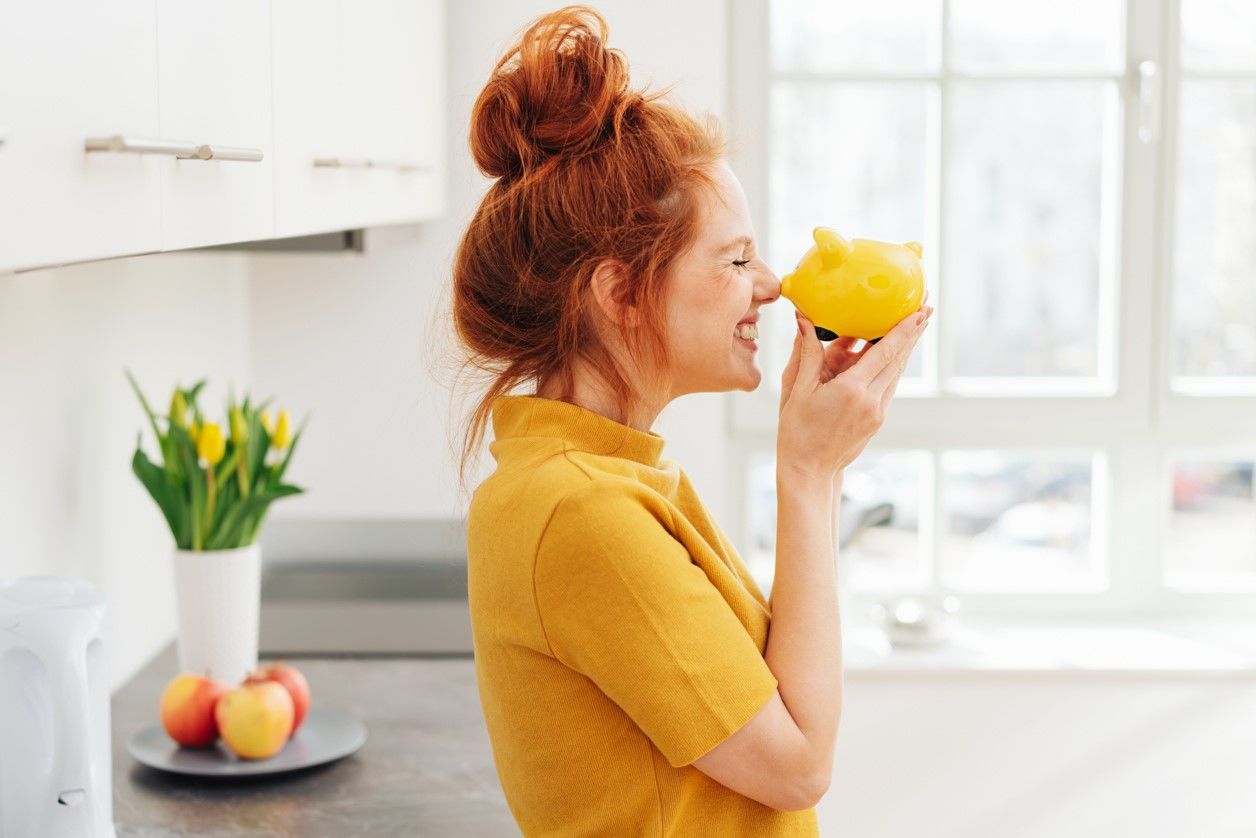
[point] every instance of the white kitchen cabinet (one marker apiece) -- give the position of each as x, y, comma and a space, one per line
69, 71
359, 113
305, 59
136, 127
214, 89
391, 94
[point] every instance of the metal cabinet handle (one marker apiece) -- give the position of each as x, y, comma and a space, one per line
226, 152
178, 148
361, 163
139, 145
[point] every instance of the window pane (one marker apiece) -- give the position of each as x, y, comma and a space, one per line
760, 554
884, 497
1214, 261
1023, 214
855, 36
1219, 34
1017, 521
1006, 36
828, 169
1212, 532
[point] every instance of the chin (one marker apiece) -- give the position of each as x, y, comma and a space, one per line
749, 382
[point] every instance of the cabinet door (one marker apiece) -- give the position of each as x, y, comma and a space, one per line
70, 71
358, 113
392, 106
214, 90
418, 74
311, 186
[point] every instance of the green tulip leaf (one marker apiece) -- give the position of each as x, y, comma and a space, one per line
167, 499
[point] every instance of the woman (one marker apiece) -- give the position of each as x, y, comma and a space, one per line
622, 649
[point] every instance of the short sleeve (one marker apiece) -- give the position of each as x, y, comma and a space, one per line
621, 600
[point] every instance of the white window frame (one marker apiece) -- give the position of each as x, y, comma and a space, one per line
1136, 426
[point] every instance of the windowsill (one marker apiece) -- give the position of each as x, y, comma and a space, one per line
1169, 648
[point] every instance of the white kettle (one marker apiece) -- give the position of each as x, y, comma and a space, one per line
55, 760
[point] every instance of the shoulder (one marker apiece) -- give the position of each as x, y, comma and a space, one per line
610, 500
608, 525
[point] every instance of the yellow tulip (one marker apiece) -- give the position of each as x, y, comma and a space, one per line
280, 438
239, 429
194, 430
178, 410
210, 444
268, 423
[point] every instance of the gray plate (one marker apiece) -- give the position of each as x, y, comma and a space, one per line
327, 733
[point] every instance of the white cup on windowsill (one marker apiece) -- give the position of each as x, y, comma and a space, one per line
918, 621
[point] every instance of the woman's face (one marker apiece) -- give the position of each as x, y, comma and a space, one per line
717, 284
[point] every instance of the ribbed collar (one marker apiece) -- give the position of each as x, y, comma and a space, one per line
583, 429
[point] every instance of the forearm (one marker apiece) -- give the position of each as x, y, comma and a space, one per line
804, 649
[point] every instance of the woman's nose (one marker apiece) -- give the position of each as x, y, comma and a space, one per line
770, 286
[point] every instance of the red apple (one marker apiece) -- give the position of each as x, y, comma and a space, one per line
187, 709
255, 719
292, 680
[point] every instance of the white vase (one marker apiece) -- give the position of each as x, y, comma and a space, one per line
218, 594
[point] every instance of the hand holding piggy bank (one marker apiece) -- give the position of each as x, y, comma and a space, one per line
859, 288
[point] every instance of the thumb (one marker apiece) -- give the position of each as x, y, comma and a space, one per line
812, 352
790, 373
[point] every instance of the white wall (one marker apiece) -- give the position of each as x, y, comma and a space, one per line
1042, 755
69, 502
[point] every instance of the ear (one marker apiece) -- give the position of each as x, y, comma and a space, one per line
915, 247
609, 284
833, 248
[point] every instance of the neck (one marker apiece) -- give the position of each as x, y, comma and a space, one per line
589, 392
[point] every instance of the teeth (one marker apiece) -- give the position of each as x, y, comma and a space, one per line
749, 331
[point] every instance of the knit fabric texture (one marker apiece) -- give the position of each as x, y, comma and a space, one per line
618, 635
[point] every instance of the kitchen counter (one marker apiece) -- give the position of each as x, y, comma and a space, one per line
426, 767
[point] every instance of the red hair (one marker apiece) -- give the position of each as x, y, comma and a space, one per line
586, 170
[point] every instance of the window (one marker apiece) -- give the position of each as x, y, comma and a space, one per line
1076, 432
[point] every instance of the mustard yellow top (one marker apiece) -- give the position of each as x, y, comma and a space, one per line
618, 635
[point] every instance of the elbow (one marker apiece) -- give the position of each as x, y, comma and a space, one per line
815, 789
805, 792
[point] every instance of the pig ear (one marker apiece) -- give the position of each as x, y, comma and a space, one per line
833, 248
915, 247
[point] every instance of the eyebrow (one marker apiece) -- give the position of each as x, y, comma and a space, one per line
730, 245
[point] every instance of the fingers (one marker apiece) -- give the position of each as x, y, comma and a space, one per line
895, 345
839, 357
790, 373
811, 352
883, 384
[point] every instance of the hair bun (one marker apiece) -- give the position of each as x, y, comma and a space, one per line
558, 90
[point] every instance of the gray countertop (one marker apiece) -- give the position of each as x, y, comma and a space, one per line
426, 767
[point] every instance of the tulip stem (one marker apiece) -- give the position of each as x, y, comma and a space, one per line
209, 500
242, 473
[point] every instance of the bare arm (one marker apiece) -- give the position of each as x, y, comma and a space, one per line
783, 757
837, 508
804, 648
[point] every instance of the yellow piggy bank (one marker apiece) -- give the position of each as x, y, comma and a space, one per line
859, 288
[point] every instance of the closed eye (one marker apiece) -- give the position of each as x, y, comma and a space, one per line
741, 263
